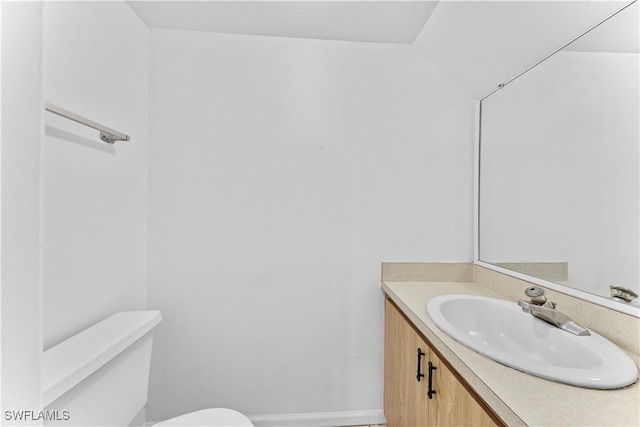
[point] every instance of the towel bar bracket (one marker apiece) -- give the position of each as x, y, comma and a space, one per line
110, 138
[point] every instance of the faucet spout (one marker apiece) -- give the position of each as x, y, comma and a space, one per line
549, 314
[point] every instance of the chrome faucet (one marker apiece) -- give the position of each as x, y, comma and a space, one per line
540, 307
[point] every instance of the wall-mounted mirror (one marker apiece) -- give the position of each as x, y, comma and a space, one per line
559, 165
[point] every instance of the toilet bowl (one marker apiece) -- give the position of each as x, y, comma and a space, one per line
208, 417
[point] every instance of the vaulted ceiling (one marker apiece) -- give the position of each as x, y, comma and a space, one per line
478, 44
481, 44
357, 21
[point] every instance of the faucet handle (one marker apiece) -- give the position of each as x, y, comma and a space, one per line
537, 297
536, 294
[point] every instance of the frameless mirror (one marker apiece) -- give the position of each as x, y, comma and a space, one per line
559, 165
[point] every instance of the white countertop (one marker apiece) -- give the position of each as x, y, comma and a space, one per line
516, 397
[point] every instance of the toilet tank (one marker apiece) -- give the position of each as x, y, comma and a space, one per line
100, 376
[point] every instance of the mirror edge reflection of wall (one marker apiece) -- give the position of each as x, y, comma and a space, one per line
541, 268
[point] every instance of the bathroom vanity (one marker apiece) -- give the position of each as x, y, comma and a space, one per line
468, 388
420, 389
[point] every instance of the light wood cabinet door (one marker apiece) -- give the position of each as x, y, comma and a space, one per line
403, 404
406, 401
452, 405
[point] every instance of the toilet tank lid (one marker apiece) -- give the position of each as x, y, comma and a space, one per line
66, 364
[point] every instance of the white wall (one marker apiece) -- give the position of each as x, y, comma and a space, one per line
560, 169
21, 208
282, 172
95, 195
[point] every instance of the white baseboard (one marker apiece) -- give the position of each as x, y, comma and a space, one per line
320, 419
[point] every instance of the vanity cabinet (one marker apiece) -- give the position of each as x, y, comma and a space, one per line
411, 370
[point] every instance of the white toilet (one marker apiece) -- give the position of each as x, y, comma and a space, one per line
100, 377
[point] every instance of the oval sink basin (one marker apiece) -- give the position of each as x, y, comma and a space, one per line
501, 331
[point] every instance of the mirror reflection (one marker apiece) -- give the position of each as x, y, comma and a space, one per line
559, 166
